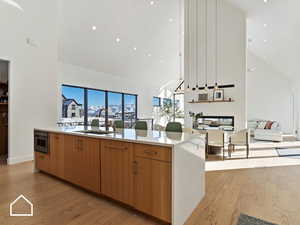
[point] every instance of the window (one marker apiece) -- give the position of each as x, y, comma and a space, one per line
73, 104
167, 102
130, 102
96, 106
179, 108
168, 109
156, 102
115, 109
105, 106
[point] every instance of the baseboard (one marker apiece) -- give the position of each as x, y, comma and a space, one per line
16, 160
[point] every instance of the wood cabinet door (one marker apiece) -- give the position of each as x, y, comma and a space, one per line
116, 171
42, 161
152, 187
69, 164
82, 162
86, 159
57, 155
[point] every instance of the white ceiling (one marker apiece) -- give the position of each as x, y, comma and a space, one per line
147, 27
270, 30
151, 29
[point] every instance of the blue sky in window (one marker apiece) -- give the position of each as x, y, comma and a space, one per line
73, 93
95, 97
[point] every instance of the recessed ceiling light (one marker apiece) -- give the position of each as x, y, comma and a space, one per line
151, 2
265, 25
118, 40
149, 55
266, 1
171, 20
94, 28
134, 48
265, 41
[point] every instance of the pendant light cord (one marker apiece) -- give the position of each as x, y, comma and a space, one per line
189, 41
217, 44
197, 58
206, 60
180, 39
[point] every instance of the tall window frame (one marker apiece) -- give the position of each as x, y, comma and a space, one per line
85, 103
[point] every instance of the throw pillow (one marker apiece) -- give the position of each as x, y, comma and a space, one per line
262, 125
275, 125
269, 125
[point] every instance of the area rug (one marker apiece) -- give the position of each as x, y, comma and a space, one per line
289, 152
248, 220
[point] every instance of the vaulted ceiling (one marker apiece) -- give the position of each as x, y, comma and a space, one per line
139, 39
271, 33
135, 39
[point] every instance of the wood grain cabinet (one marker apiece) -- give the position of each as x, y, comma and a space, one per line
56, 167
42, 161
152, 181
82, 162
116, 170
138, 175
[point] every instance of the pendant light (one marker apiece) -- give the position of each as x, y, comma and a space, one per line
217, 46
206, 47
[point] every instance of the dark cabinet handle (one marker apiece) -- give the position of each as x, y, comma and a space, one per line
116, 148
149, 152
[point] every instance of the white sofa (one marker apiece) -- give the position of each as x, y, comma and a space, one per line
268, 135
260, 133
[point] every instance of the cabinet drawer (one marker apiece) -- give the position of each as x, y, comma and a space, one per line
116, 145
42, 161
153, 152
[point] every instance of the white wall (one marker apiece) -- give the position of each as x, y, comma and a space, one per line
269, 94
78, 76
33, 71
231, 60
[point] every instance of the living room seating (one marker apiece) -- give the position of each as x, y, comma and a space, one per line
118, 124
174, 127
215, 138
141, 125
95, 123
265, 130
240, 138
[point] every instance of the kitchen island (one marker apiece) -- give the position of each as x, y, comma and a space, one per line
161, 174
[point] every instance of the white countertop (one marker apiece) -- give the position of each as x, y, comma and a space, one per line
161, 138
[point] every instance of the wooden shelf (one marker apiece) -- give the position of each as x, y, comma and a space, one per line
3, 103
210, 101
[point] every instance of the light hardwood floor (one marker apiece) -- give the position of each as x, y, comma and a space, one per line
272, 194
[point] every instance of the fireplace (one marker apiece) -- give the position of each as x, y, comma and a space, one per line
215, 122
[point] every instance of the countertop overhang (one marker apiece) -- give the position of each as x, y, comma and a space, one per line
153, 137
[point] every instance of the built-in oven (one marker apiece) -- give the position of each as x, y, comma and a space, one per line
41, 142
